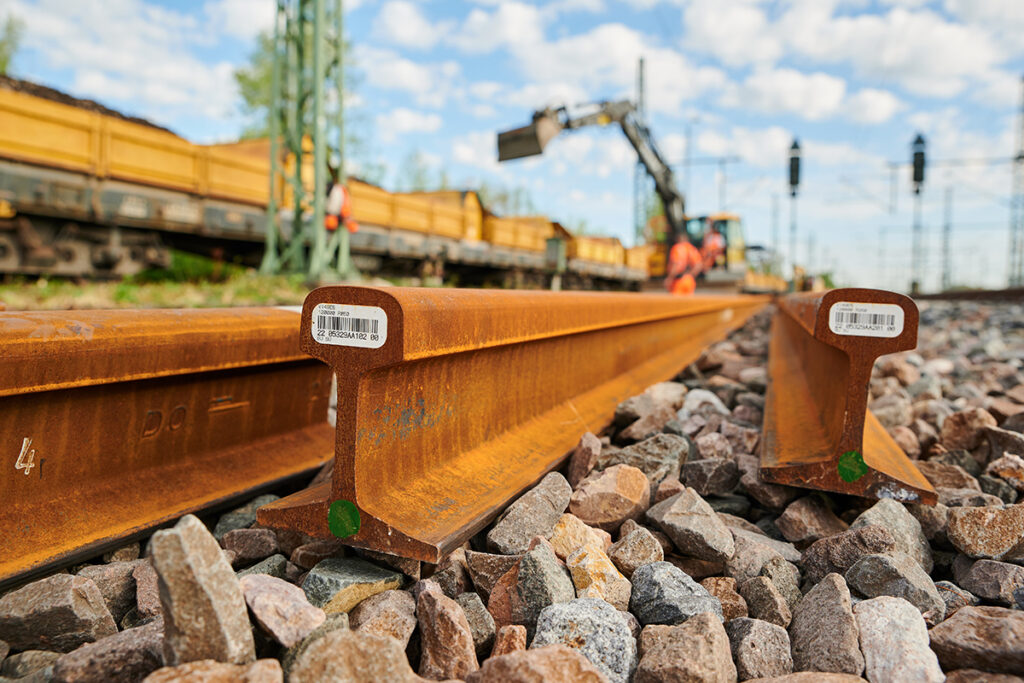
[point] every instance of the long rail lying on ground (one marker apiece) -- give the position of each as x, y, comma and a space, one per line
818, 432
114, 422
453, 402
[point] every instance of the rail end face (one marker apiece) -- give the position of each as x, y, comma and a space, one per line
427, 453
818, 432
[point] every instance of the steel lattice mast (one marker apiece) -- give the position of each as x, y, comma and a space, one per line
306, 128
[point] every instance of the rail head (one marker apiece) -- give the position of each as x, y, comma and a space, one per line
818, 432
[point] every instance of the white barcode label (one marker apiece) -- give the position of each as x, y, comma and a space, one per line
365, 327
865, 320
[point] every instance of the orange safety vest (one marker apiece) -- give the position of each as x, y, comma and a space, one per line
332, 220
684, 257
714, 246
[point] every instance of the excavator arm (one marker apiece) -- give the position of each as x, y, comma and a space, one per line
547, 123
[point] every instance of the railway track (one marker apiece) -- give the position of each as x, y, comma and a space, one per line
122, 421
456, 411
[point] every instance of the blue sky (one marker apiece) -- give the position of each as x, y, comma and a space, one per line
854, 80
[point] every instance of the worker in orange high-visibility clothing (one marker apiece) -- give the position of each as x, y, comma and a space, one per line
712, 248
338, 209
684, 264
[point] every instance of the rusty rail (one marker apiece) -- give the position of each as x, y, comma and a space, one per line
453, 402
114, 422
818, 432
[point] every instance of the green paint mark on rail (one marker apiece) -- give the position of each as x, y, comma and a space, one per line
343, 518
851, 466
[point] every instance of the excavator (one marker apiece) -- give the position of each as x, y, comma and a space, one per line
728, 273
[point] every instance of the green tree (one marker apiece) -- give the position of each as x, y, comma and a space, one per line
416, 174
10, 40
502, 200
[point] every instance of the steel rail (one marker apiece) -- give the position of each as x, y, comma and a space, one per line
114, 422
460, 400
817, 431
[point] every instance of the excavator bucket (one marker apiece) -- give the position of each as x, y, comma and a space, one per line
529, 140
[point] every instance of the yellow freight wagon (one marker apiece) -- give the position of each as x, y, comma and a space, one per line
598, 249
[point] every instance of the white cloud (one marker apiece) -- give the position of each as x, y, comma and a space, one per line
242, 19
920, 50
431, 83
872, 106
402, 23
813, 96
510, 24
130, 51
402, 120
769, 148
539, 95
603, 63
735, 31
478, 149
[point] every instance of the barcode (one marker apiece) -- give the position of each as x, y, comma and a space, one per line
340, 324
873, 319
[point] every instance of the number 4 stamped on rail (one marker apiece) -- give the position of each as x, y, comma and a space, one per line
26, 459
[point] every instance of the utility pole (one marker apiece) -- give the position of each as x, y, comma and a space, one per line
947, 229
1017, 205
917, 257
775, 230
641, 194
307, 74
794, 184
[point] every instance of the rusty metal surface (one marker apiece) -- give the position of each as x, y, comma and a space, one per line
474, 395
818, 432
113, 422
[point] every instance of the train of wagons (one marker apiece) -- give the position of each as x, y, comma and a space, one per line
88, 192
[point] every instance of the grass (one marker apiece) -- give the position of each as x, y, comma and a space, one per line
191, 282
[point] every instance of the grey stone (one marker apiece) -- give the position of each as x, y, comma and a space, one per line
760, 649
535, 513
634, 550
693, 526
838, 553
986, 638
772, 496
120, 658
204, 612
125, 553
967, 498
485, 569
147, 591
116, 584
823, 631
955, 597
24, 663
338, 584
541, 581
58, 613
334, 622
241, 517
250, 545
992, 580
786, 578
446, 639
934, 519
665, 594
343, 655
658, 457
697, 650
897, 575
583, 459
711, 476
481, 624
733, 504
701, 397
994, 486
894, 641
594, 628
750, 557
960, 458
276, 565
765, 602
787, 550
807, 520
391, 613
208, 670
280, 608
901, 525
